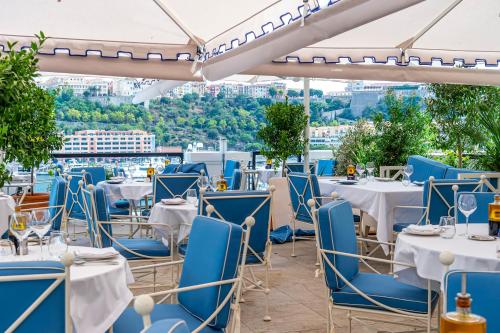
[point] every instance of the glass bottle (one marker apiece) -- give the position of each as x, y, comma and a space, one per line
351, 172
221, 184
167, 162
462, 319
494, 216
150, 172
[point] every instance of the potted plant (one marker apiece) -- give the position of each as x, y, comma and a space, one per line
283, 135
28, 131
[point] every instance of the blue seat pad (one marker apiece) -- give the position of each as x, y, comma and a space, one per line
130, 321
168, 325
145, 212
122, 203
148, 247
182, 249
386, 290
118, 211
398, 227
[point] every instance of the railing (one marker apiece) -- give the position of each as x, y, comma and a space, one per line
257, 153
97, 156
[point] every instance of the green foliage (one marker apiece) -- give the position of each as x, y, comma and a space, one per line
356, 146
28, 132
489, 118
283, 135
405, 132
454, 109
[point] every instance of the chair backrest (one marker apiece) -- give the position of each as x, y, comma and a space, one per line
76, 181
213, 254
326, 167
171, 168
236, 181
118, 169
336, 232
19, 293
174, 185
97, 174
229, 168
484, 288
235, 206
303, 187
192, 168
423, 168
481, 213
491, 181
57, 199
438, 196
97, 212
299, 167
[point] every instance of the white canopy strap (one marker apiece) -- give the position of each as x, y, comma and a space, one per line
346, 14
159, 88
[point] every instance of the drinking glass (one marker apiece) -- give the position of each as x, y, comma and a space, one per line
370, 167
160, 168
447, 225
121, 174
202, 182
58, 244
40, 225
191, 196
215, 179
7, 249
467, 205
20, 225
363, 179
360, 169
408, 170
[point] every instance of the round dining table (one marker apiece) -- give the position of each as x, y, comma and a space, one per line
99, 291
423, 253
7, 207
176, 218
128, 190
378, 200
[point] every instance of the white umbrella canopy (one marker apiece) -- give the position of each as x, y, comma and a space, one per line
453, 41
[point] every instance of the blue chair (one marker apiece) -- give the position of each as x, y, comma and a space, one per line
438, 200
76, 181
352, 290
484, 288
423, 168
326, 167
100, 229
198, 168
299, 167
174, 186
235, 207
171, 168
117, 170
95, 174
236, 183
57, 199
213, 256
229, 168
481, 213
22, 284
302, 187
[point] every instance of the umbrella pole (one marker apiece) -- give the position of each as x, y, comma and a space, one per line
307, 109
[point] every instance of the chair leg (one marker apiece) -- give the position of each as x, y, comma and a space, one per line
267, 317
349, 318
293, 238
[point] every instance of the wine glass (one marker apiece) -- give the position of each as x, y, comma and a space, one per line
408, 170
214, 181
370, 167
20, 226
58, 244
360, 169
202, 182
40, 225
191, 196
160, 168
467, 205
7, 249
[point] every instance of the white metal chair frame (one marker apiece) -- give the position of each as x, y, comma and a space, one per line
159, 180
303, 204
250, 283
144, 259
59, 278
391, 311
485, 178
385, 171
144, 304
74, 196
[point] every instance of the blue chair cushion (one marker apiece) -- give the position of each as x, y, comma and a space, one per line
144, 246
398, 227
130, 321
168, 326
57, 198
386, 290
424, 167
122, 203
326, 167
182, 249
146, 212
97, 174
117, 211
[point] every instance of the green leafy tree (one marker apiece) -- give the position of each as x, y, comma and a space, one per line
454, 109
272, 92
489, 118
283, 135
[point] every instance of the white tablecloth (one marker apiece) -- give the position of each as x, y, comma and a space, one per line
99, 293
129, 191
423, 252
377, 199
178, 217
7, 207
266, 174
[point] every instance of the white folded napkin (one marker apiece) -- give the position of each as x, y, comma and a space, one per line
96, 254
424, 227
173, 201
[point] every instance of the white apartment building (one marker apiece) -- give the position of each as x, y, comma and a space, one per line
327, 135
80, 84
101, 141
